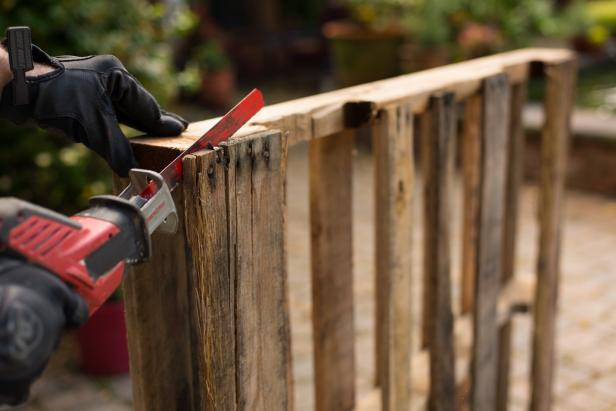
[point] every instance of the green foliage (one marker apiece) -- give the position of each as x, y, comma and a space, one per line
380, 14
602, 13
602, 18
132, 30
48, 170
51, 170
210, 56
207, 57
510, 23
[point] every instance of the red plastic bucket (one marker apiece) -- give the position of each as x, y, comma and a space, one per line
102, 341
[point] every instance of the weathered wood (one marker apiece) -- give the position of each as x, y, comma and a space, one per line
426, 289
515, 167
517, 293
256, 208
471, 165
158, 316
213, 289
437, 181
495, 128
331, 170
296, 117
558, 106
393, 181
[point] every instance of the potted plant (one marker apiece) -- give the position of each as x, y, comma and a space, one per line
365, 46
431, 34
209, 75
102, 340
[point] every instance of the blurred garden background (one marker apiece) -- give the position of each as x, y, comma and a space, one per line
198, 57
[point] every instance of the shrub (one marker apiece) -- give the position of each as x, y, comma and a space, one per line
51, 170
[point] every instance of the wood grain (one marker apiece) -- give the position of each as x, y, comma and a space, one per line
393, 152
471, 166
296, 117
437, 182
158, 314
495, 128
515, 167
517, 293
425, 125
331, 170
558, 105
257, 205
212, 285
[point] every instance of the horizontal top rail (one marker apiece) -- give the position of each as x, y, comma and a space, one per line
324, 114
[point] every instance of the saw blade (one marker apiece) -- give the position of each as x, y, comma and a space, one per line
228, 125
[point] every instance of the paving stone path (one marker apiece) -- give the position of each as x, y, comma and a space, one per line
586, 364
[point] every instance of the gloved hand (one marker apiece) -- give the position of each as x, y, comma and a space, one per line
85, 98
35, 307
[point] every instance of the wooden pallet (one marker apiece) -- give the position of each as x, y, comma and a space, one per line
208, 317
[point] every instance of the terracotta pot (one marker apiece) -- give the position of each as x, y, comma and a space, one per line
102, 341
360, 55
218, 89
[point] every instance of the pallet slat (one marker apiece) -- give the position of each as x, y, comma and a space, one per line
393, 135
495, 128
515, 169
558, 106
331, 172
213, 302
256, 220
471, 166
437, 180
158, 317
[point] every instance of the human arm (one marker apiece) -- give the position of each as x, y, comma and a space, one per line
86, 98
5, 71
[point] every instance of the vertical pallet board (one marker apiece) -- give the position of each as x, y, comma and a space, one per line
425, 142
158, 312
331, 170
515, 168
393, 181
439, 172
558, 105
495, 128
471, 166
213, 303
256, 224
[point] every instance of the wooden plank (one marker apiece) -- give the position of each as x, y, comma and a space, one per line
517, 293
295, 117
425, 149
158, 315
257, 208
495, 127
471, 165
393, 182
213, 303
437, 182
331, 170
515, 167
558, 105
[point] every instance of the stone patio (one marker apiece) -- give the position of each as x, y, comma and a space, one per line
586, 365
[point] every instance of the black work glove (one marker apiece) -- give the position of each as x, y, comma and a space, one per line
85, 98
35, 307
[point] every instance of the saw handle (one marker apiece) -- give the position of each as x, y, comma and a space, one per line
55, 272
89, 251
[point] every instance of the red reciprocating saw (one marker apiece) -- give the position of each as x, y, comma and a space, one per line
91, 250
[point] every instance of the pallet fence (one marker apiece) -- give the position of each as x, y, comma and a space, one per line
208, 316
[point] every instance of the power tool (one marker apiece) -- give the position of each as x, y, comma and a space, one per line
92, 249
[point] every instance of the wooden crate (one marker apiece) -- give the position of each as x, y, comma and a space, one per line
208, 317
